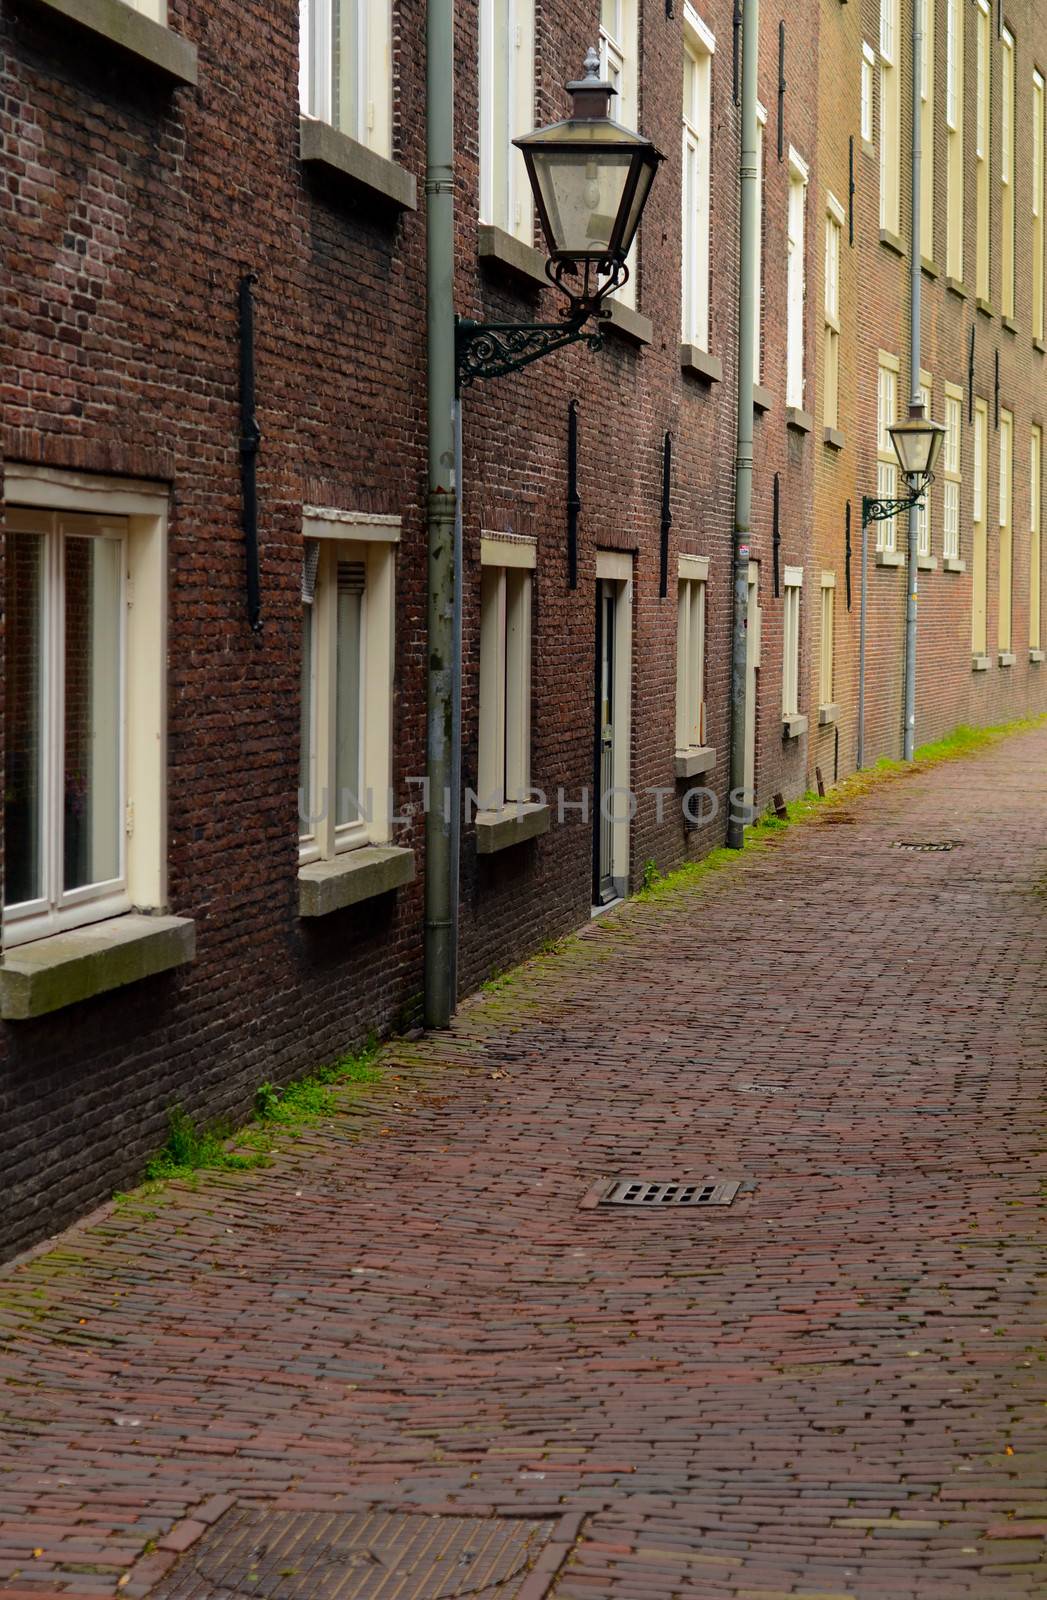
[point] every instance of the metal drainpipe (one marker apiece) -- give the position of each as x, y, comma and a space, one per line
439, 996
743, 486
916, 310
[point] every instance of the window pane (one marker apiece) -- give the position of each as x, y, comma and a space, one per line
347, 694
23, 718
91, 786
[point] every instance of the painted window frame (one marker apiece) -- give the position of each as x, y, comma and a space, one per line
952, 473
827, 643
888, 372
1035, 536
46, 499
927, 84
796, 283
923, 515
1008, 174
699, 46
1039, 132
365, 72
507, 578
507, 109
954, 137
890, 117
982, 149
792, 595
835, 220
356, 539
867, 122
980, 529
691, 633
1005, 608
619, 49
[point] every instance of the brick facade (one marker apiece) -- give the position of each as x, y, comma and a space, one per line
131, 210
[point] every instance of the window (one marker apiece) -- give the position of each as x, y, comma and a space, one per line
954, 173
890, 119
792, 588
825, 654
923, 515
927, 131
794, 377
690, 654
953, 474
761, 124
983, 136
506, 111
157, 9
1037, 205
1006, 528
979, 531
1035, 543
345, 68
831, 374
1007, 210
83, 703
868, 72
504, 763
697, 92
887, 460
619, 63
345, 769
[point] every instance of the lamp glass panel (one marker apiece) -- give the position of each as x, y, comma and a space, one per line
582, 193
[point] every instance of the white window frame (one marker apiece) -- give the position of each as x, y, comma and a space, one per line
1005, 612
157, 9
982, 146
345, 536
506, 112
952, 457
619, 48
1008, 109
923, 514
691, 600
954, 127
699, 48
49, 497
792, 591
890, 118
827, 643
1035, 535
1039, 130
835, 218
980, 530
366, 70
927, 133
761, 128
796, 277
886, 458
507, 567
868, 93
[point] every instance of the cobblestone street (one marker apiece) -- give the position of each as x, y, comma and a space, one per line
833, 1386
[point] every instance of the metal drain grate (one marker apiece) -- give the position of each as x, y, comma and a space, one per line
927, 845
645, 1193
366, 1555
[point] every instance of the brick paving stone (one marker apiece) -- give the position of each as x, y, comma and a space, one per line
832, 1386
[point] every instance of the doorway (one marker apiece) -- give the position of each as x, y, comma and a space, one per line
612, 805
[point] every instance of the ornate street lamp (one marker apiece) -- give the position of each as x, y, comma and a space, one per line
591, 179
917, 444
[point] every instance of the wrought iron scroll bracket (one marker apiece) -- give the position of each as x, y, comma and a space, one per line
493, 349
883, 510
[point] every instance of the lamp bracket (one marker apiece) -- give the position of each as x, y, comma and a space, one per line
874, 510
493, 349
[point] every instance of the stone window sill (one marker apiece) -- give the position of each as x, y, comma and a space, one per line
1010, 324
956, 286
325, 147
497, 248
792, 727
132, 31
1036, 655
953, 564
984, 306
1038, 344
798, 419
62, 970
929, 268
374, 869
827, 714
629, 323
892, 242
834, 438
890, 558
689, 763
980, 663
1007, 658
700, 364
763, 399
927, 563
513, 824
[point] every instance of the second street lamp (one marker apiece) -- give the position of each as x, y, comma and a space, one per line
917, 443
591, 179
